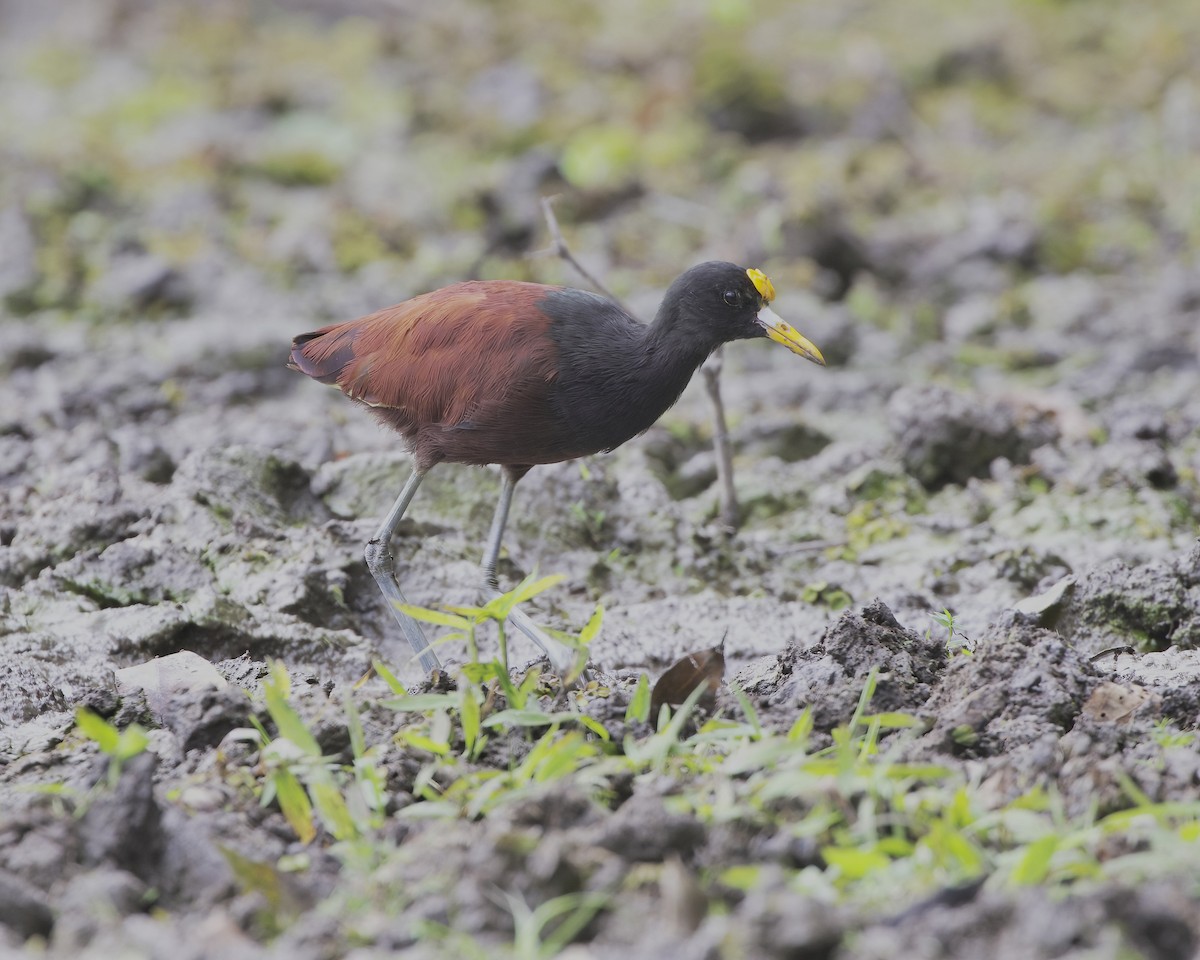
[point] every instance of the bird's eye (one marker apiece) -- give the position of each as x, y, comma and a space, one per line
731, 297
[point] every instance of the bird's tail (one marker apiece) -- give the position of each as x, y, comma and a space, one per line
323, 353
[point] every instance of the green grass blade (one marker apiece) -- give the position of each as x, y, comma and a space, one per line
638, 710
294, 803
389, 678
277, 690
1034, 866
98, 730
747, 709
331, 807
439, 618
864, 700
469, 711
591, 629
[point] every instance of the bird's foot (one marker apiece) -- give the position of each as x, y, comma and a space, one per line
379, 562
562, 658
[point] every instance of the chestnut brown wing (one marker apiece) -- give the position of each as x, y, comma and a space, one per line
464, 372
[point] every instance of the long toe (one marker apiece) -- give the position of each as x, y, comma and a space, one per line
562, 657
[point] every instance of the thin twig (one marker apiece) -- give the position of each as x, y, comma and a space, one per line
562, 250
1113, 652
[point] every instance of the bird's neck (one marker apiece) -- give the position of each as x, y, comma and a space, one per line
620, 390
673, 350
654, 368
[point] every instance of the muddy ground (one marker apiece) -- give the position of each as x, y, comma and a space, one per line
991, 231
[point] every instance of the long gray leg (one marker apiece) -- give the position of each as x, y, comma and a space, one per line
382, 567
491, 551
561, 657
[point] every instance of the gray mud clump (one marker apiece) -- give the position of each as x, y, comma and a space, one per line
829, 677
1017, 688
1152, 606
946, 437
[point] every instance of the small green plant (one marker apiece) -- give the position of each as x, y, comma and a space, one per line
368, 801
1165, 734
464, 623
539, 933
548, 929
956, 643
876, 823
592, 521
822, 593
436, 734
869, 524
119, 745
308, 786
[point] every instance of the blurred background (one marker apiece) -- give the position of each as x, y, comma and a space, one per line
159, 156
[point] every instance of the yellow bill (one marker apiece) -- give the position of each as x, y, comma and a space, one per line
783, 332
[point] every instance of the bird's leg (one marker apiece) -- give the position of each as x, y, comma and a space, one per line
711, 370
561, 657
491, 552
382, 566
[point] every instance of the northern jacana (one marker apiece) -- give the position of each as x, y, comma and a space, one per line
517, 374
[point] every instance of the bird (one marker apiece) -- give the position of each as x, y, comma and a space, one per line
519, 374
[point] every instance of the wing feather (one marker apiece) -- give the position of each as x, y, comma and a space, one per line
472, 358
